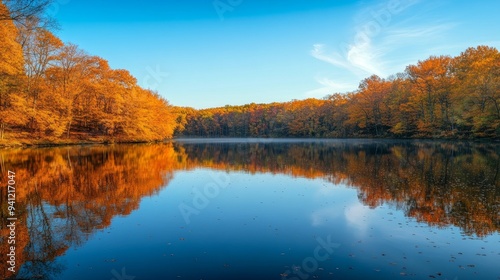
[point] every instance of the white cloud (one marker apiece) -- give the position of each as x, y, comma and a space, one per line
335, 58
383, 41
357, 216
405, 35
364, 56
329, 87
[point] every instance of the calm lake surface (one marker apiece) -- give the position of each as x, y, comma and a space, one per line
255, 209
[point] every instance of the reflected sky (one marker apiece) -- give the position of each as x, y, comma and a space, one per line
259, 210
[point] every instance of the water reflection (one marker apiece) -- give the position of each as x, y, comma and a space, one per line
65, 194
439, 183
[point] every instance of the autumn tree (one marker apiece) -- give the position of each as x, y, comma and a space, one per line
337, 118
368, 106
403, 112
430, 81
22, 10
66, 79
40, 49
50, 90
478, 69
12, 103
181, 117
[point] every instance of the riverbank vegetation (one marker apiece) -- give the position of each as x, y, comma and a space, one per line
439, 97
53, 92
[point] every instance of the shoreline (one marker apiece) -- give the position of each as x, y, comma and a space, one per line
47, 144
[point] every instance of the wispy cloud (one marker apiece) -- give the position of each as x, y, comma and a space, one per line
334, 58
329, 87
405, 34
378, 34
365, 57
359, 58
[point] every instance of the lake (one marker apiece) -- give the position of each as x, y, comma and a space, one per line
254, 209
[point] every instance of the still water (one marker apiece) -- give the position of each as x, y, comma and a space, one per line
255, 209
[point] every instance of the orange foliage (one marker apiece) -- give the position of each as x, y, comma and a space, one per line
438, 183
440, 97
11, 68
66, 95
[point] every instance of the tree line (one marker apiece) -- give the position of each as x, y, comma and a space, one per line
52, 91
440, 97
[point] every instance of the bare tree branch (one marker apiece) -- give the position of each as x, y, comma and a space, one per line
21, 10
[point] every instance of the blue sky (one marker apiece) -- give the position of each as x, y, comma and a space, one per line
208, 53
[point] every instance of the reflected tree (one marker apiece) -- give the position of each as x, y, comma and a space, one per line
64, 195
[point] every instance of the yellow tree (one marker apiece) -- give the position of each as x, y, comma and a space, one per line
430, 81
369, 108
40, 49
66, 79
119, 85
339, 116
12, 104
86, 113
478, 69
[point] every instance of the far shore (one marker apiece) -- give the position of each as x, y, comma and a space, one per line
15, 144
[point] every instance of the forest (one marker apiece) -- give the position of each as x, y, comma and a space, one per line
439, 97
55, 92
52, 91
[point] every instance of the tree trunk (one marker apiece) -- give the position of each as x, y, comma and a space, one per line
69, 127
